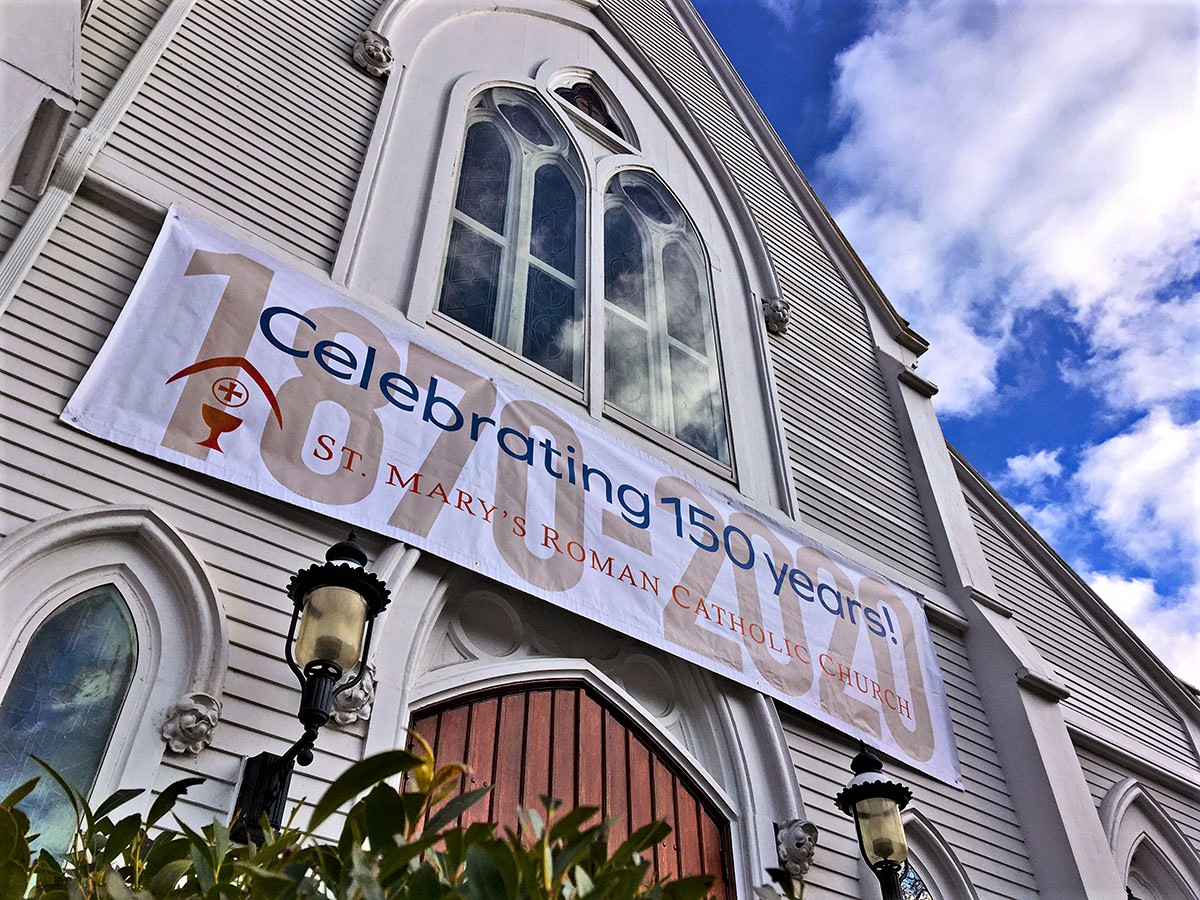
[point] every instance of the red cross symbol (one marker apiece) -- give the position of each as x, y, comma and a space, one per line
230, 392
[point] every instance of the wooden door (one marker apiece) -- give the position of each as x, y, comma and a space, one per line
567, 741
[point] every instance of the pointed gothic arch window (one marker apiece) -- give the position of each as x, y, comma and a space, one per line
121, 588
62, 703
660, 347
567, 741
514, 264
1156, 857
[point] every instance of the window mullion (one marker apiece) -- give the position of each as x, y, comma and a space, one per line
522, 231
662, 409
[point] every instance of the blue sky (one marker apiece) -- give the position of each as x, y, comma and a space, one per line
1022, 177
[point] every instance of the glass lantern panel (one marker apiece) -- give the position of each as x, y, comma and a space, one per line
880, 830
62, 705
331, 626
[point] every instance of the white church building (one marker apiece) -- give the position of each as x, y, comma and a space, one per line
532, 297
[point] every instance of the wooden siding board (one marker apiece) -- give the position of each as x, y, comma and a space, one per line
310, 105
109, 38
15, 207
1104, 685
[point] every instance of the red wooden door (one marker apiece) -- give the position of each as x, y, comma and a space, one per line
569, 742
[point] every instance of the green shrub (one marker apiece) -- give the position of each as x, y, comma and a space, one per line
401, 843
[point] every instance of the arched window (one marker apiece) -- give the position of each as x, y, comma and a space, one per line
62, 704
514, 266
1156, 857
114, 655
660, 349
566, 741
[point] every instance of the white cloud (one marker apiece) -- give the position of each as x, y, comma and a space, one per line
1169, 627
1009, 156
785, 10
1005, 156
1031, 469
1144, 486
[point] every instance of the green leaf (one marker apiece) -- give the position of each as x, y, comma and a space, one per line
119, 839
115, 885
489, 876
117, 798
10, 836
383, 817
453, 808
692, 887
17, 794
165, 801
14, 879
362, 878
571, 821
358, 778
169, 875
78, 803
642, 838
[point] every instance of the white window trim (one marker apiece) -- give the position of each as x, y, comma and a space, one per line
934, 859
182, 635
1134, 822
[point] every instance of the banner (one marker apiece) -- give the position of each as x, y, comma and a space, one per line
232, 364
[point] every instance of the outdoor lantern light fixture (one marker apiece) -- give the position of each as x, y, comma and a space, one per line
334, 606
875, 804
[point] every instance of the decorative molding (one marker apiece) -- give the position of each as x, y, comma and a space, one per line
777, 311
796, 843
922, 386
1044, 687
373, 53
1143, 838
355, 704
190, 722
994, 605
934, 859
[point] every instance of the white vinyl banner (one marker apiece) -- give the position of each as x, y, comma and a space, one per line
234, 365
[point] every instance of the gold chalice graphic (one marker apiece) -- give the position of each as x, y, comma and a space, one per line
220, 421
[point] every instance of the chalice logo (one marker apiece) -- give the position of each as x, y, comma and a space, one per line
229, 393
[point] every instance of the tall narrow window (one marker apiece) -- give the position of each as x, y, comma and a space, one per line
660, 349
62, 704
514, 265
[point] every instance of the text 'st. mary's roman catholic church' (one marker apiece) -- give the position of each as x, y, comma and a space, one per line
532, 298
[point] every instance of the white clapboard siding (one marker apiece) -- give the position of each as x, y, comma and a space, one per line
111, 35
276, 145
1102, 773
15, 207
848, 462
979, 823
250, 546
1104, 684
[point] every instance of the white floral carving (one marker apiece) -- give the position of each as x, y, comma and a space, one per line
796, 842
373, 52
777, 312
355, 704
190, 722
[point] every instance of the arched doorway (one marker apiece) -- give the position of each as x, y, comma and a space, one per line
567, 741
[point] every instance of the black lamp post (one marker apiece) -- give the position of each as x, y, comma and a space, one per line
334, 605
875, 804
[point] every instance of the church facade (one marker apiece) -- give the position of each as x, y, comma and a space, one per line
533, 297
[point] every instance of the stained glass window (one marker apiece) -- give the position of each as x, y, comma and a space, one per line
515, 250
912, 887
62, 704
660, 343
